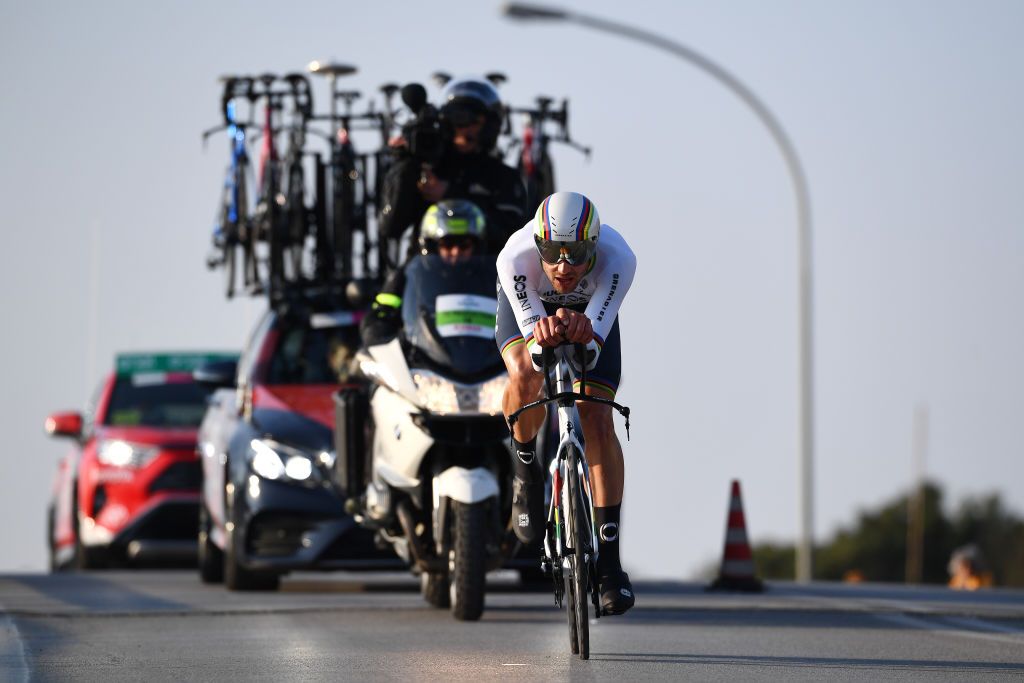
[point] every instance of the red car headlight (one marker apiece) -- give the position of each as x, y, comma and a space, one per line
125, 454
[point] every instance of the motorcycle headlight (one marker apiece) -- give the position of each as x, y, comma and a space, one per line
273, 460
491, 393
442, 396
435, 393
125, 454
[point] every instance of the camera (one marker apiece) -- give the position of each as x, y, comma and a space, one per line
423, 132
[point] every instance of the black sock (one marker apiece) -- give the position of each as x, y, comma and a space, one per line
607, 519
524, 459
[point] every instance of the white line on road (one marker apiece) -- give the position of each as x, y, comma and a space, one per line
964, 627
980, 625
12, 650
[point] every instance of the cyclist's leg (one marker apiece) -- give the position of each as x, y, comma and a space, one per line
524, 381
523, 387
604, 455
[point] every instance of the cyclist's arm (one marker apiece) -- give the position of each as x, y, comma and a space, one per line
519, 274
618, 265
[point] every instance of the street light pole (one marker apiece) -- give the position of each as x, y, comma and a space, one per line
515, 10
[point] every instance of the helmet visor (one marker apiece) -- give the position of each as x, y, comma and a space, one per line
461, 114
574, 253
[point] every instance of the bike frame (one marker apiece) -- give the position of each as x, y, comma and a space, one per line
566, 457
569, 466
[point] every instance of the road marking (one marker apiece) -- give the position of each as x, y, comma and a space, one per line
980, 625
955, 626
12, 650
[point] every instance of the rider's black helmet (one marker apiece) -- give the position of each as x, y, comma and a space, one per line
463, 100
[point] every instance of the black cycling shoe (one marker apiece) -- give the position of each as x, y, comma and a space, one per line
527, 509
616, 593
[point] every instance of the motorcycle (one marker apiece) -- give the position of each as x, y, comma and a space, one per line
439, 482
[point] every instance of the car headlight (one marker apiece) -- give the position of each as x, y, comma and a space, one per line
442, 396
273, 460
125, 454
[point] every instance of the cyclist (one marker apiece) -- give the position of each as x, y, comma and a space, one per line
470, 116
455, 230
562, 278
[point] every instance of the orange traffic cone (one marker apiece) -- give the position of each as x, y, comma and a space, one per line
737, 572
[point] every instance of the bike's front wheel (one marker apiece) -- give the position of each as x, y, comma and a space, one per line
578, 578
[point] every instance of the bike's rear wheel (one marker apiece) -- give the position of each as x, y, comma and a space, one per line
579, 576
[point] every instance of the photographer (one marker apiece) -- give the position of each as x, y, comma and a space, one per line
449, 155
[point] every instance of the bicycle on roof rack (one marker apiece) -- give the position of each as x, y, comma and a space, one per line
570, 539
347, 213
299, 217
533, 159
231, 230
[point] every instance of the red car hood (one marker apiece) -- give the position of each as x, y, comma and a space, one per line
311, 400
179, 438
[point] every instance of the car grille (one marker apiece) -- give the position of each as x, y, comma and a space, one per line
170, 521
278, 535
180, 476
357, 544
99, 499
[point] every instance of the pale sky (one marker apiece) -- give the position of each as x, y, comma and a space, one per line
906, 117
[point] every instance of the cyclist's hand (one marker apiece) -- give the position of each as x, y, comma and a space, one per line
549, 331
431, 187
576, 327
398, 142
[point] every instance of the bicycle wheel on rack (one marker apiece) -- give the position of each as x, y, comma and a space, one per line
247, 240
344, 195
298, 224
578, 578
229, 241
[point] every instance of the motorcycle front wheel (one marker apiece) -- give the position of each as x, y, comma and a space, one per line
467, 561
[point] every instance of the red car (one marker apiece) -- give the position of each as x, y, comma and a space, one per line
129, 488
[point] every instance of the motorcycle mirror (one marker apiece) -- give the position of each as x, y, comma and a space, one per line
440, 78
359, 293
216, 374
496, 78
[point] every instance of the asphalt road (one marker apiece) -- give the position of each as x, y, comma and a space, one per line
165, 625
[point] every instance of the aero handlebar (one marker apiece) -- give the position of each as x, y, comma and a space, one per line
548, 361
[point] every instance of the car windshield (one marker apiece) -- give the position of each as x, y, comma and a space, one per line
169, 400
316, 353
448, 314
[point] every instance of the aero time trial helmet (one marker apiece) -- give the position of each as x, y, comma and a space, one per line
567, 228
452, 218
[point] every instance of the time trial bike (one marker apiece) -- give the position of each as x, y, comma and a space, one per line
570, 539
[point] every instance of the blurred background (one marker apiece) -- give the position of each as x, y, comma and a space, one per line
906, 118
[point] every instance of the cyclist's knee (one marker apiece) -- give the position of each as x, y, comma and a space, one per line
597, 420
521, 373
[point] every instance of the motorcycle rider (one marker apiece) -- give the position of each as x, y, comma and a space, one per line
558, 282
454, 229
470, 117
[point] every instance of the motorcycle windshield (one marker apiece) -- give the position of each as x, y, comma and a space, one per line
448, 314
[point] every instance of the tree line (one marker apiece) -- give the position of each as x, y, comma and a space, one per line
875, 547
